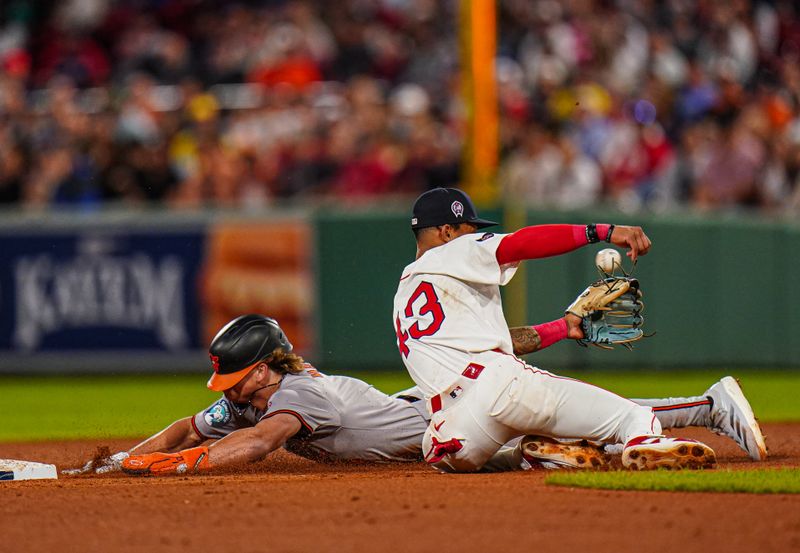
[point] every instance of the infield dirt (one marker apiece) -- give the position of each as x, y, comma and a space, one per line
289, 504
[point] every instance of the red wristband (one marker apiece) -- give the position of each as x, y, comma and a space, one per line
602, 231
552, 332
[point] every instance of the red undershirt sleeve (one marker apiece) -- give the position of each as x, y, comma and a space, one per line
544, 241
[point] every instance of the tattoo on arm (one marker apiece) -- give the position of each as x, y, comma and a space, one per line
525, 340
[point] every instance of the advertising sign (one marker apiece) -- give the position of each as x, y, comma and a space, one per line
108, 289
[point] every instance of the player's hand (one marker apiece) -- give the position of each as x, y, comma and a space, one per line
187, 460
632, 238
112, 463
574, 330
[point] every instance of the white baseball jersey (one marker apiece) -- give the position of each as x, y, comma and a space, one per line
448, 307
450, 327
341, 417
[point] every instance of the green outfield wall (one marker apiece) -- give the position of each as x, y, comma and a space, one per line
146, 291
719, 291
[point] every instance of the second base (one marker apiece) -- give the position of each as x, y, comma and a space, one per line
12, 469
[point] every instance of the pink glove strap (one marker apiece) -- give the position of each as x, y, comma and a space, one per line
551, 332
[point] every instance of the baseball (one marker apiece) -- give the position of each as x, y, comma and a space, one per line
607, 259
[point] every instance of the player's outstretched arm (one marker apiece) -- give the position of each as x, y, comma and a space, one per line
538, 241
255, 443
240, 446
528, 339
178, 435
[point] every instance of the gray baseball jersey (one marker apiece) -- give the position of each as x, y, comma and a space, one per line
341, 417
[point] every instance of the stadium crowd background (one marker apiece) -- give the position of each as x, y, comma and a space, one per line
191, 103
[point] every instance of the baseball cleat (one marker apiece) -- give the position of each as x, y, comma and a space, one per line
732, 416
550, 453
655, 452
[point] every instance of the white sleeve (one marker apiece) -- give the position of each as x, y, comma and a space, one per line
471, 258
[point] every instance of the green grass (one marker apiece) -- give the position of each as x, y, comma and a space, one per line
45, 408
773, 394
785, 480
52, 408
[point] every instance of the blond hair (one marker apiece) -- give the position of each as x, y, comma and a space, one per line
283, 362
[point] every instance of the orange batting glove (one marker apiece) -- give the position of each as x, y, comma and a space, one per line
188, 460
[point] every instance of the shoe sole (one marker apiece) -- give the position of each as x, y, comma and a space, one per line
578, 454
682, 455
734, 390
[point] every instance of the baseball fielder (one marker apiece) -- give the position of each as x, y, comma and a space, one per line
453, 339
272, 398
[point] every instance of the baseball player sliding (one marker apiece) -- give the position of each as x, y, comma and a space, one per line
272, 398
453, 339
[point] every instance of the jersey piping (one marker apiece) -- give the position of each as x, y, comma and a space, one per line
295, 414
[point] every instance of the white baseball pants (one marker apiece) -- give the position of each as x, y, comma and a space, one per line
511, 398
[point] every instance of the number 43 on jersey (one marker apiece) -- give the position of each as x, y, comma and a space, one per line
429, 308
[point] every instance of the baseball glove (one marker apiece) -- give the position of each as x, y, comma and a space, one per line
611, 312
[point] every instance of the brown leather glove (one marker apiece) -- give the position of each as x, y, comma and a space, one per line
611, 313
598, 295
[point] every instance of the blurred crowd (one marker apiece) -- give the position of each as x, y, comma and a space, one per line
649, 103
644, 104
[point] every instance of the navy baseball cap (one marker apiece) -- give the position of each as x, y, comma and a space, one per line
445, 206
